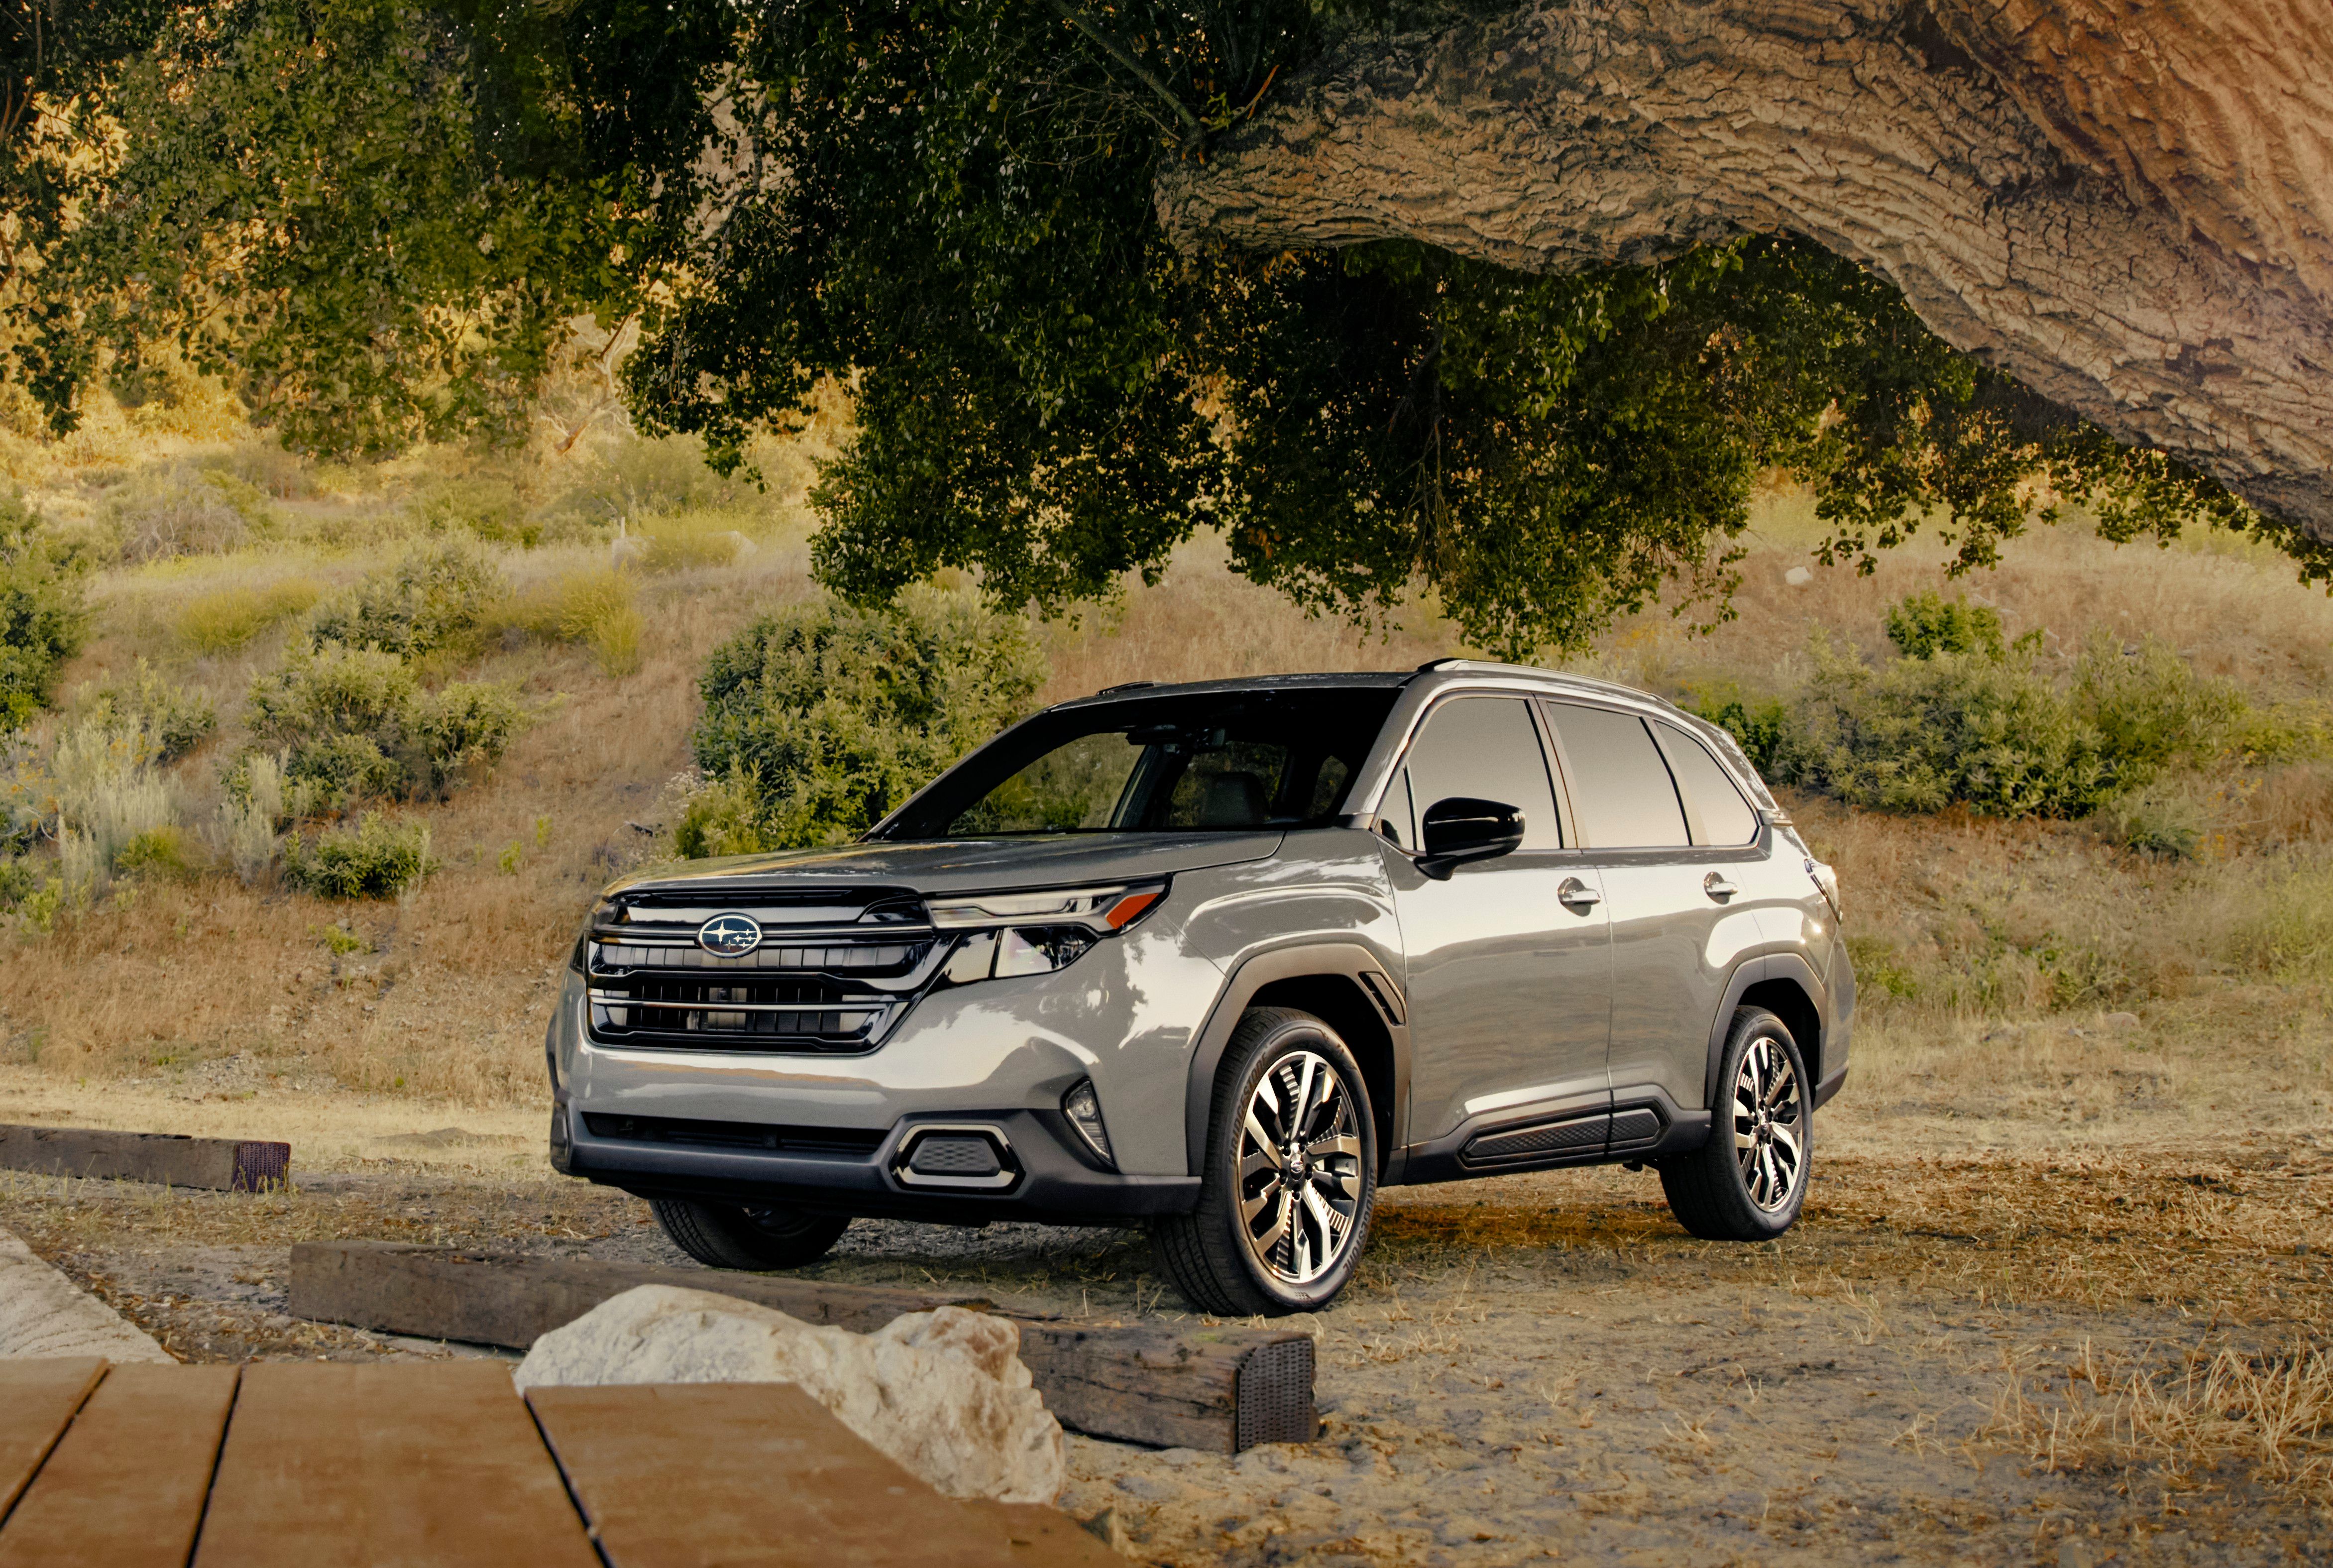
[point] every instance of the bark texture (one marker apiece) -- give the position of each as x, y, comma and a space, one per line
2126, 203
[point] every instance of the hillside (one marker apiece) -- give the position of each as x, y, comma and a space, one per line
2038, 972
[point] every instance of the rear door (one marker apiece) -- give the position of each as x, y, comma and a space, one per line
1509, 984
1675, 933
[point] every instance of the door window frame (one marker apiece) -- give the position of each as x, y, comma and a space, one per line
1566, 825
1636, 854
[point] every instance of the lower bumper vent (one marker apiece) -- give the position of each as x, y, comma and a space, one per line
830, 1142
977, 1159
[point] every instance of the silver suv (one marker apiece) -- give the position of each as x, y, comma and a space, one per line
1227, 958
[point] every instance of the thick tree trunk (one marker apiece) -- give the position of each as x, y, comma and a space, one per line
2126, 203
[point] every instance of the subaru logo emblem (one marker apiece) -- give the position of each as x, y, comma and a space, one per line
730, 935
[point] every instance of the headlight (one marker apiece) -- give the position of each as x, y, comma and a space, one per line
1101, 910
1036, 933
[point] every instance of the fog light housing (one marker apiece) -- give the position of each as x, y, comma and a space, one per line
1082, 1106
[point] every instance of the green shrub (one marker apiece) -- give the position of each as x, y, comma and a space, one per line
43, 611
377, 860
435, 598
1923, 734
228, 618
179, 718
1757, 727
720, 817
831, 716
2151, 708
159, 854
1923, 625
353, 723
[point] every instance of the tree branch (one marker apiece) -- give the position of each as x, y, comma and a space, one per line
1086, 25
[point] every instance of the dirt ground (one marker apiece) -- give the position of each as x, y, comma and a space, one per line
1536, 1368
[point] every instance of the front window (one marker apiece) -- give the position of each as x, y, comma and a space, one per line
1211, 762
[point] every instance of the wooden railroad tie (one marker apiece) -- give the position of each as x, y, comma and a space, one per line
166, 1158
1221, 1388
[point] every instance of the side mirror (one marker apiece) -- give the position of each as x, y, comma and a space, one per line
1462, 829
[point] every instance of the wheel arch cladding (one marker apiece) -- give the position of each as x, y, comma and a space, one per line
1788, 1001
1326, 980
1785, 986
1337, 1001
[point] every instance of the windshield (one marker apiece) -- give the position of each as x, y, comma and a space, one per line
1209, 761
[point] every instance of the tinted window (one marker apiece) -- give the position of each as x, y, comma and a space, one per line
1179, 763
1487, 749
1620, 788
1725, 818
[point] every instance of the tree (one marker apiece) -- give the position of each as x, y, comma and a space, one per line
1513, 302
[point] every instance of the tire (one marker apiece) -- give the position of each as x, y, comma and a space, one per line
747, 1235
1239, 1253
1749, 1181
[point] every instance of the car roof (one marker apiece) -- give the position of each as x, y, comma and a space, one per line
1448, 672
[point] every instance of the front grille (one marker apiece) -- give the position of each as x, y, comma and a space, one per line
833, 1142
834, 972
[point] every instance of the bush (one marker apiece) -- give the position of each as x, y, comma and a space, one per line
183, 510
43, 611
228, 619
1759, 727
353, 723
718, 817
2151, 709
161, 853
1923, 625
435, 598
176, 719
257, 806
831, 716
375, 860
1922, 734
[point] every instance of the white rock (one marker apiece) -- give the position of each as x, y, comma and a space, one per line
1799, 576
43, 1313
943, 1393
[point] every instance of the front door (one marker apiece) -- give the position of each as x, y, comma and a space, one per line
1509, 963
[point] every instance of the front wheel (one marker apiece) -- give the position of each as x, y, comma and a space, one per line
747, 1235
1290, 1176
1749, 1181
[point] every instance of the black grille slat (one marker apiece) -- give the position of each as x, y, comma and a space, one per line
841, 1142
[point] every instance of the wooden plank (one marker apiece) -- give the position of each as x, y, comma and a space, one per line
1217, 1388
167, 1159
332, 1466
124, 1488
760, 1476
40, 1398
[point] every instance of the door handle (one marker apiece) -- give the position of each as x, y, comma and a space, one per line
1578, 896
1717, 887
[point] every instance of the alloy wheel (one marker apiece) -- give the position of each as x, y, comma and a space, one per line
1769, 1124
1299, 1169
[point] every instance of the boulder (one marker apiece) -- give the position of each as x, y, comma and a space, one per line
941, 1392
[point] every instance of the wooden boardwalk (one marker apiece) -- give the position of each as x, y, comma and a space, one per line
309, 1464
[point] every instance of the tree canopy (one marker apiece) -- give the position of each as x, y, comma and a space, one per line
376, 219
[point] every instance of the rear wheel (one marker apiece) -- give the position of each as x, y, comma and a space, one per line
1749, 1181
1289, 1181
748, 1235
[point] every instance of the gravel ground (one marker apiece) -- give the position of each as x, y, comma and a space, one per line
1536, 1368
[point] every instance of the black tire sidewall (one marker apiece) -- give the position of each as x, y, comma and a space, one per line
1282, 1034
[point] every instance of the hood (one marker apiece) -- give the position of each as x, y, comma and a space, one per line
962, 865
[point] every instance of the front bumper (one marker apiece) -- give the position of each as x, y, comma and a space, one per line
1050, 1181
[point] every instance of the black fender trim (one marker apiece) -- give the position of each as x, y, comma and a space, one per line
1349, 960
1787, 966
1827, 1090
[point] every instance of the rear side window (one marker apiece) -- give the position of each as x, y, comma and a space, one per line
1722, 815
1620, 787
1485, 748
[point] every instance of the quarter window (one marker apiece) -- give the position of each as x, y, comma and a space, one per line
1620, 787
1723, 816
1486, 748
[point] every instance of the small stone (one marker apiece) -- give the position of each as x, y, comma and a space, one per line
1799, 576
1110, 1531
2121, 1020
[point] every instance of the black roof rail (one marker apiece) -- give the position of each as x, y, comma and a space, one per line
1125, 686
